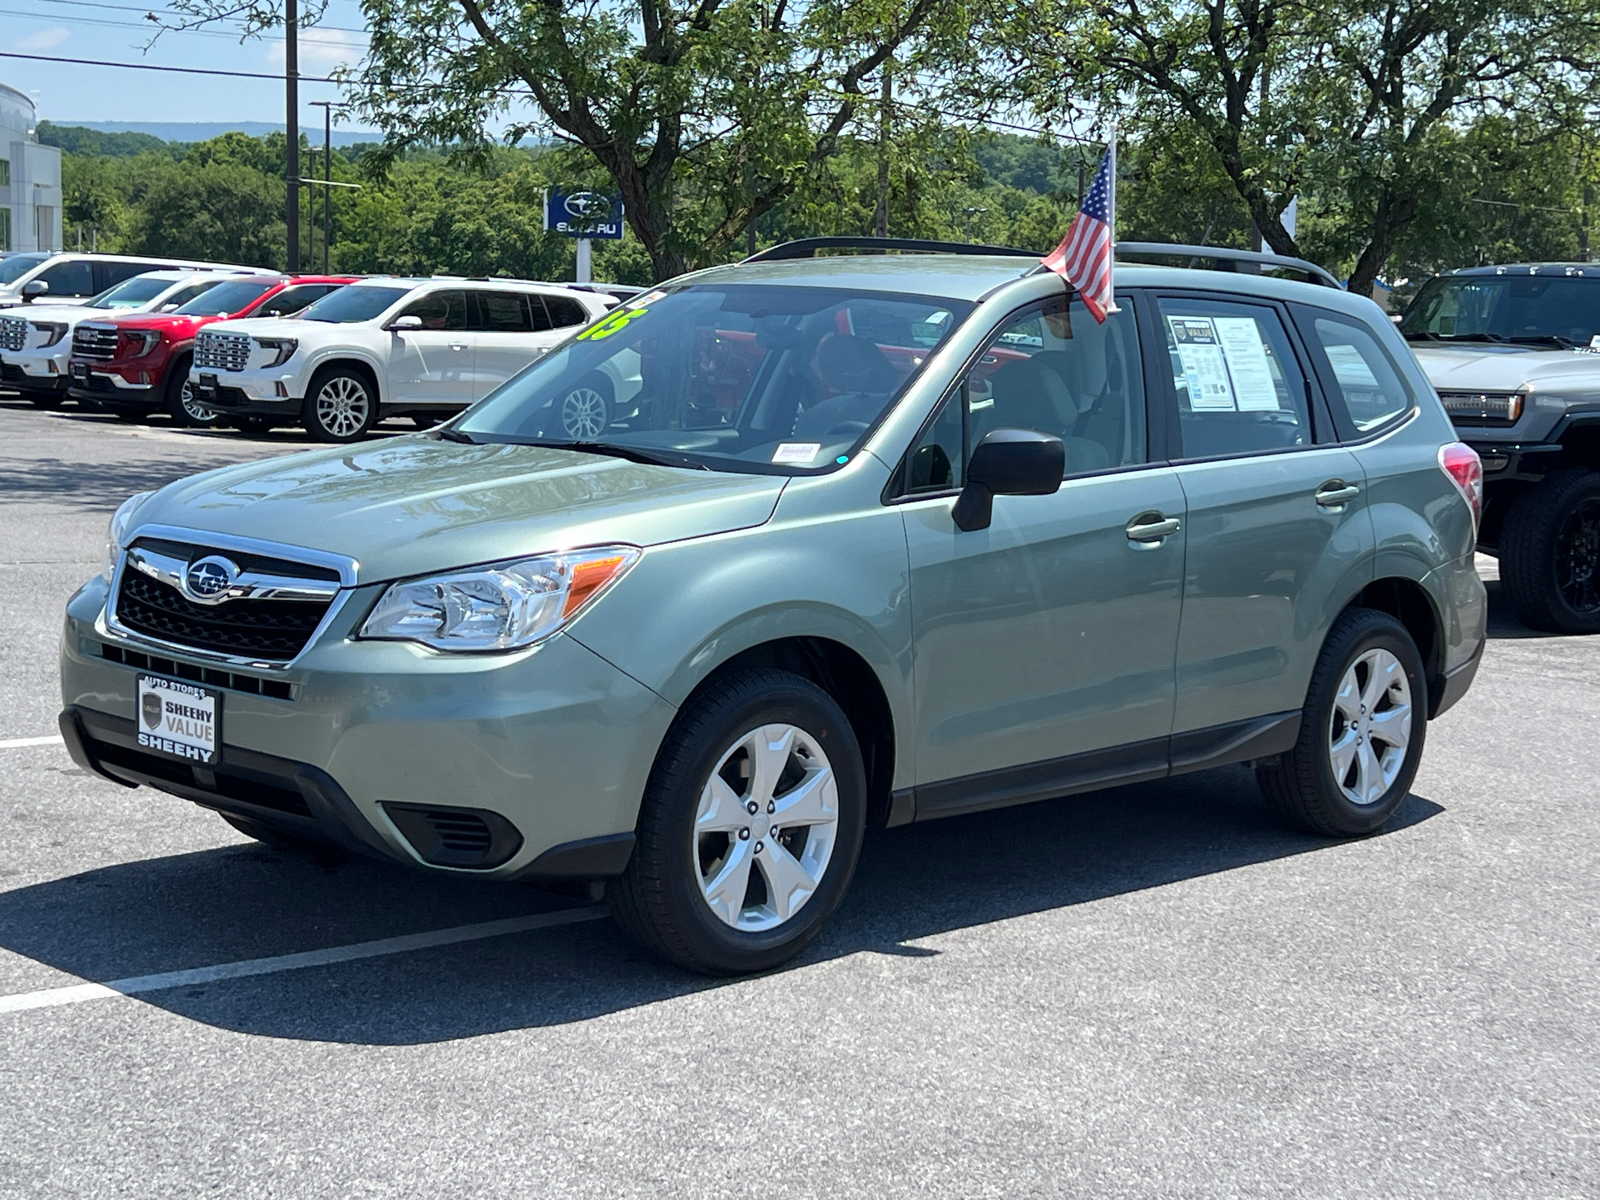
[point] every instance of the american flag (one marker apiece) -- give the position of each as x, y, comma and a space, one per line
1084, 257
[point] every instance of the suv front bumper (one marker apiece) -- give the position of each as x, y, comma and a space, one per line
373, 737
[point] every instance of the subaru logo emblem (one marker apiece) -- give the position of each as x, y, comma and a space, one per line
587, 206
210, 577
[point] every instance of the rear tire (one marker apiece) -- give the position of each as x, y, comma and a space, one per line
341, 405
715, 887
1361, 731
1550, 554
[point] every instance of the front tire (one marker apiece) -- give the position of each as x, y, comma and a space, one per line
341, 406
1550, 554
750, 828
1361, 731
180, 402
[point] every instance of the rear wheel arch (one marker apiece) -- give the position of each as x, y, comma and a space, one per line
1408, 602
849, 679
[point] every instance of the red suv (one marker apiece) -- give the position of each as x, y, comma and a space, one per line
132, 366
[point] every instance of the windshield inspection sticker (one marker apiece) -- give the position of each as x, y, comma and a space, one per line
1203, 367
796, 454
1246, 356
180, 719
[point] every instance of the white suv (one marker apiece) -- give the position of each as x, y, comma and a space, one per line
71, 278
36, 341
421, 347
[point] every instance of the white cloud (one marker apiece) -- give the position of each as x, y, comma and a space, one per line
321, 50
45, 39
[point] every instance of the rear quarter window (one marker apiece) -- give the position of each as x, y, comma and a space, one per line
1359, 375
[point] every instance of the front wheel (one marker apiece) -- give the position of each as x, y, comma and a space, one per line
340, 406
1550, 554
181, 403
586, 411
750, 827
1361, 731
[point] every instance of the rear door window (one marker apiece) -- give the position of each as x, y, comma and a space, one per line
1356, 370
564, 311
1240, 389
502, 312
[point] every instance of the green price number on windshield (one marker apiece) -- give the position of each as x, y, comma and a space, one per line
614, 322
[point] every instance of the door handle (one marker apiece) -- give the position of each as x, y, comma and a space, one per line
1150, 529
458, 345
1336, 493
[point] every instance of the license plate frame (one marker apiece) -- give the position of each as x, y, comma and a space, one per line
178, 720
207, 385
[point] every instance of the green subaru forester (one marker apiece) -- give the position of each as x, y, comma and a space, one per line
863, 539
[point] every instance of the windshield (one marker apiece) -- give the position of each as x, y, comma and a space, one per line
131, 293
1560, 309
351, 304
18, 265
227, 298
758, 378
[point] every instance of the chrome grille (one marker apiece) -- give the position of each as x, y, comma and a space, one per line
13, 333
221, 351
274, 606
1482, 408
94, 341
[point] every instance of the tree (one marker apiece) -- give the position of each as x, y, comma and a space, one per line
704, 115
1353, 97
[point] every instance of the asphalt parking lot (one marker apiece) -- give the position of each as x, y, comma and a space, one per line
1154, 991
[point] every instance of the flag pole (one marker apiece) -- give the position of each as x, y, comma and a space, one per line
1111, 150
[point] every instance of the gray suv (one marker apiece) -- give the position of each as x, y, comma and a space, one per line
872, 540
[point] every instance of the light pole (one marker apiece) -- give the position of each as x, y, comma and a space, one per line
327, 174
291, 97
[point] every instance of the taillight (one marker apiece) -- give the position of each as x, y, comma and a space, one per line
1460, 461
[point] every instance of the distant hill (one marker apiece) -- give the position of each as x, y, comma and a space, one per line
149, 133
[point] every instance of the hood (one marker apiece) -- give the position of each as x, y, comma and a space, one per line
172, 324
413, 505
269, 326
57, 312
1490, 368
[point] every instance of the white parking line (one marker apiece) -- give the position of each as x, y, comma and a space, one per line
78, 993
53, 739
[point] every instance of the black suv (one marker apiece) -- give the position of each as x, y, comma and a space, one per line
1514, 353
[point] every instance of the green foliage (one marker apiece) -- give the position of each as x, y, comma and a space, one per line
75, 139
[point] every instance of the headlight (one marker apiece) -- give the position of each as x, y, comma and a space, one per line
502, 606
279, 350
118, 529
142, 341
53, 331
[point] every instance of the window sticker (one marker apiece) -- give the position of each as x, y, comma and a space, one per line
1245, 352
645, 300
1349, 368
796, 454
615, 322
1204, 369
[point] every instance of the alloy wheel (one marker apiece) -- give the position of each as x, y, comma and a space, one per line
766, 827
198, 413
343, 406
1370, 726
583, 413
1578, 557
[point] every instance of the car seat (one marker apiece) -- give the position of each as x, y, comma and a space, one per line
1029, 395
863, 378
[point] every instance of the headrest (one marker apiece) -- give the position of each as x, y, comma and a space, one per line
855, 364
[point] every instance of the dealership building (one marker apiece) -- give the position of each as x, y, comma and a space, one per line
30, 179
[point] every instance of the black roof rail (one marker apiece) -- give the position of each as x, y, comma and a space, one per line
1223, 254
808, 247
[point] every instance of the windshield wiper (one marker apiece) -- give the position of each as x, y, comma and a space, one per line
455, 435
652, 458
1412, 334
1544, 339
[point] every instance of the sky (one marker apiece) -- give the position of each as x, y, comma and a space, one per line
117, 31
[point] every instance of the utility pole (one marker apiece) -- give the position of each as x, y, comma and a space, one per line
327, 175
291, 96
882, 219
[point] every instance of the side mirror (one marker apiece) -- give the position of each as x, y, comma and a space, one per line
33, 289
409, 321
1008, 462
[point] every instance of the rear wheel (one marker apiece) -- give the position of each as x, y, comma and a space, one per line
1550, 554
1361, 731
750, 826
340, 406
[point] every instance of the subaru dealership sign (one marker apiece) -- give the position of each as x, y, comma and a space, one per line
583, 214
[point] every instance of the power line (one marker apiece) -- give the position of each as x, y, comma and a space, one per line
100, 62
169, 12
153, 28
